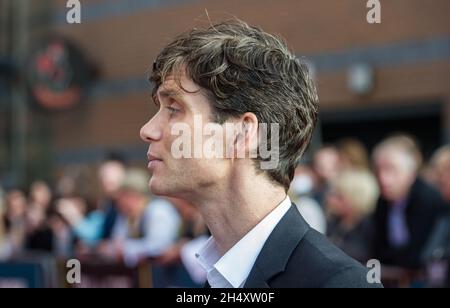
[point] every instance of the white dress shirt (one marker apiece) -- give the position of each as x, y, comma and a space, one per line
232, 269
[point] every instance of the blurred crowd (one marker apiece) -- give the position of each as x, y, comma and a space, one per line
124, 224
388, 205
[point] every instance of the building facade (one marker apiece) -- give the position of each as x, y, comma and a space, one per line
372, 79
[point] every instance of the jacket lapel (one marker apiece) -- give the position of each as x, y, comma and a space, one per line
277, 249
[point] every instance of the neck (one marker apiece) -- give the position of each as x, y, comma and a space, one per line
231, 211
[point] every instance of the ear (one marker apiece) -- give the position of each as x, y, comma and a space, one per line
246, 140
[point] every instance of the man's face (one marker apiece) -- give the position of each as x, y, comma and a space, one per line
394, 173
41, 194
171, 176
111, 175
337, 204
444, 179
326, 164
16, 204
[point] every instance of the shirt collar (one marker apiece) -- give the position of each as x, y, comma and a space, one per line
235, 265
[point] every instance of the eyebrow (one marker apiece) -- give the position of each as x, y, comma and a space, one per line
169, 93
166, 93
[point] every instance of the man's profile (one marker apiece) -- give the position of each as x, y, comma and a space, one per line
233, 73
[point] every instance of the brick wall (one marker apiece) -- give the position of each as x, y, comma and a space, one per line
413, 37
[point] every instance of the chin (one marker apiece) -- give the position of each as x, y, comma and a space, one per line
389, 197
155, 187
160, 188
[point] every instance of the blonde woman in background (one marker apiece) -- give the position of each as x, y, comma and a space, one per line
349, 204
301, 191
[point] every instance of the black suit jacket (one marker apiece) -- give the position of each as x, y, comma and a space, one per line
423, 207
297, 256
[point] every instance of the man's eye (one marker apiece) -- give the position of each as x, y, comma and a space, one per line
172, 110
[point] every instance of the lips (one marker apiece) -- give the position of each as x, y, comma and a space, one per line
152, 157
153, 160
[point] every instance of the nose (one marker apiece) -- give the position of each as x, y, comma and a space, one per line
152, 130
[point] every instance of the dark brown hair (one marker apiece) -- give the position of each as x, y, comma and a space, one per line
244, 69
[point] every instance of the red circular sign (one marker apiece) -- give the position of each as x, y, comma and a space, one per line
57, 76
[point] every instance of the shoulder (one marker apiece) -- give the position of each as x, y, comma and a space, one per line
315, 262
313, 214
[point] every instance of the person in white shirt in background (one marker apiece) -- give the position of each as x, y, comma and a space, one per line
194, 234
301, 189
144, 227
